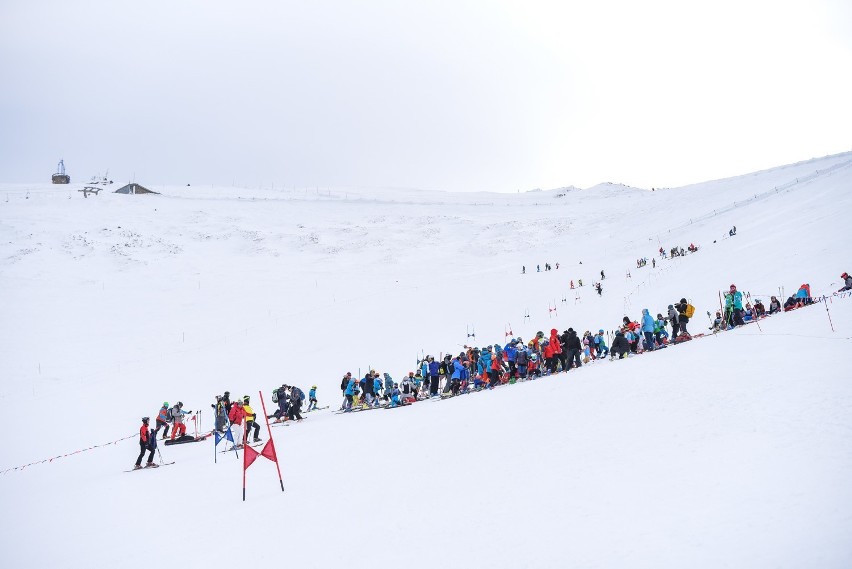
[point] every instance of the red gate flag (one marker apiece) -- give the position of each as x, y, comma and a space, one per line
250, 455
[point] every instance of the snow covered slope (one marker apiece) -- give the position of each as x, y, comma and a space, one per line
727, 451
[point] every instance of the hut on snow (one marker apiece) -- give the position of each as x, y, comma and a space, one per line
134, 188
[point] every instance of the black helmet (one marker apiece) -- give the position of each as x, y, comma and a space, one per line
180, 404
145, 419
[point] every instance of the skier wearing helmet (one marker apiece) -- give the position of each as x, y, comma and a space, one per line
220, 414
295, 410
847, 282
251, 419
312, 398
145, 437
163, 419
177, 414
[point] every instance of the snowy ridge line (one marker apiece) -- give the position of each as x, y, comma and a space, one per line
756, 197
48, 460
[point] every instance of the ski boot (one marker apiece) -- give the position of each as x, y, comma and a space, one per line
152, 465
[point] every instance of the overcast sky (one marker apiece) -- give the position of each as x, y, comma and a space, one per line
456, 95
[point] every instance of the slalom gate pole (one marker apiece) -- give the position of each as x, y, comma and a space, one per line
269, 430
828, 313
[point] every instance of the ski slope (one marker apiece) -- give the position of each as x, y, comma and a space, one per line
728, 451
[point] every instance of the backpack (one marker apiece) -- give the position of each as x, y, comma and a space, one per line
406, 387
689, 311
275, 396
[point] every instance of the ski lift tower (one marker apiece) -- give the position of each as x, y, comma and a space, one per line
61, 177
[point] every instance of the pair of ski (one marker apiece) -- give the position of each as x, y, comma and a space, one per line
151, 467
253, 445
358, 409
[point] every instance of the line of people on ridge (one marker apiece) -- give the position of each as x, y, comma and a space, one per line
485, 368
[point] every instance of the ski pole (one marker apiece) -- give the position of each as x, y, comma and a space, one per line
754, 314
160, 455
828, 313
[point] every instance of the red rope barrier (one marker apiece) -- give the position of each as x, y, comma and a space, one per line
49, 460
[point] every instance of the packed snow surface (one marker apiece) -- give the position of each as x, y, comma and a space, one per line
728, 451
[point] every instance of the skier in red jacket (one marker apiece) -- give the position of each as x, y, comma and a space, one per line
144, 445
236, 417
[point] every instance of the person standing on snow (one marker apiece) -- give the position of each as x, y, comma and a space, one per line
377, 388
736, 307
557, 350
600, 344
674, 320
511, 351
683, 319
177, 414
660, 329
163, 419
434, 379
294, 412
648, 325
574, 346
145, 437
389, 382
220, 414
312, 398
521, 360
282, 399
344, 384
367, 385
349, 392
236, 417
251, 419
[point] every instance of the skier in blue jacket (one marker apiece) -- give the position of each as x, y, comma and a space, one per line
648, 329
434, 370
349, 393
511, 353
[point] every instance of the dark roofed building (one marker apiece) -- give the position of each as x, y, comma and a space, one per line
134, 188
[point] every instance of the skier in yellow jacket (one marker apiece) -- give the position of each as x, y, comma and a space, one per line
250, 420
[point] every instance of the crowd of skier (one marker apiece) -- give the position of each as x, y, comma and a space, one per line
477, 368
